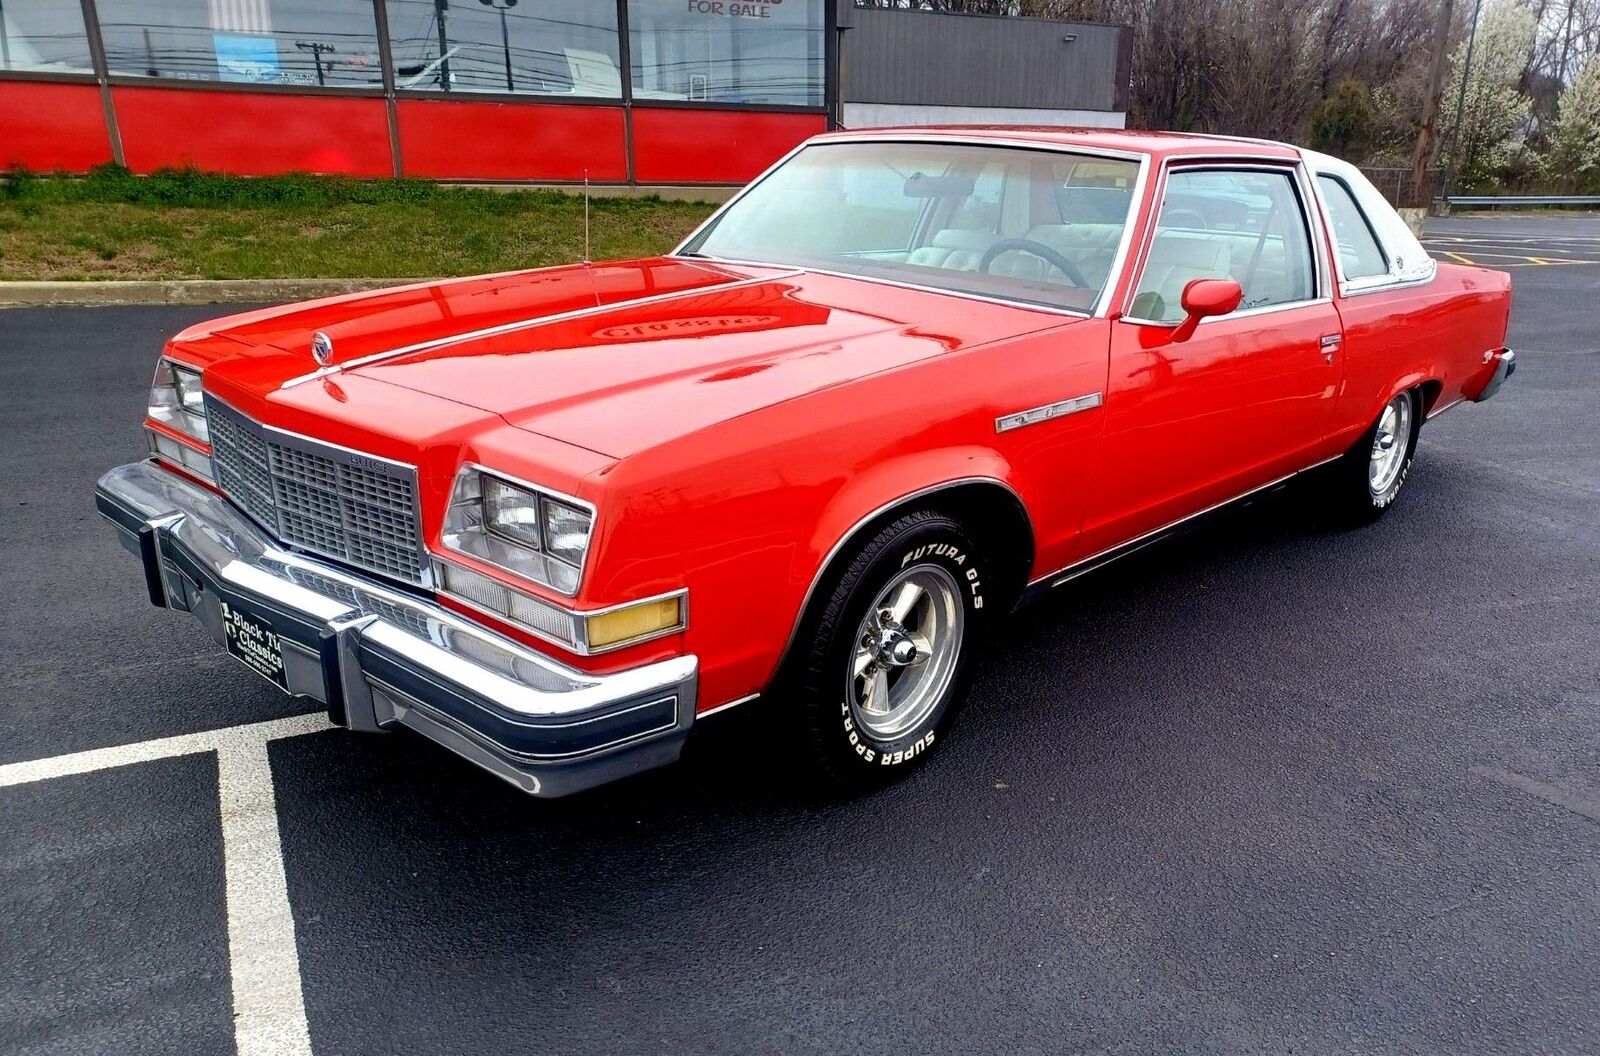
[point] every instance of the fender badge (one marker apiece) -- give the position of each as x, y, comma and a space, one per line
321, 348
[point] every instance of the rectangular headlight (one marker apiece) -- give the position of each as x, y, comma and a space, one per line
177, 400
516, 526
512, 512
566, 531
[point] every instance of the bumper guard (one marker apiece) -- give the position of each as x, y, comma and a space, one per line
1505, 365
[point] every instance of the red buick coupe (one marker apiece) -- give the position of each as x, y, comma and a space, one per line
902, 383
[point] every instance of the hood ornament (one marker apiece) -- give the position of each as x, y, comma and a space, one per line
321, 348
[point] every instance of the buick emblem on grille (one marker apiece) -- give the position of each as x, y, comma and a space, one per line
321, 348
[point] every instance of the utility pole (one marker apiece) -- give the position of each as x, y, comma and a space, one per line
505, 36
1461, 102
439, 8
1427, 135
317, 50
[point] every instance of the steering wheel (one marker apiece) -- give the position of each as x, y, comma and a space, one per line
1038, 249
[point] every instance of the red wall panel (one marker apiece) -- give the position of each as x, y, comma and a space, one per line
252, 133
467, 140
52, 126
713, 146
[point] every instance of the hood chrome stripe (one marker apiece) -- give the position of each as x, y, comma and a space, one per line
523, 324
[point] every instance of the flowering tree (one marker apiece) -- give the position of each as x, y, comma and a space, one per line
1574, 156
1493, 112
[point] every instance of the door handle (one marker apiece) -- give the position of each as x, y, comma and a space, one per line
1330, 344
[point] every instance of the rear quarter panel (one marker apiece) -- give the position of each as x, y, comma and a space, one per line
1433, 331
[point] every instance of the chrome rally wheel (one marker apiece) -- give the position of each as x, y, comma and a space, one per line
1391, 446
906, 652
1366, 480
887, 648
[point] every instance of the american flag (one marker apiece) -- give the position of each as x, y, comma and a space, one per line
241, 16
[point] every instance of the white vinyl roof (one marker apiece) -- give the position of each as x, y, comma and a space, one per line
1408, 261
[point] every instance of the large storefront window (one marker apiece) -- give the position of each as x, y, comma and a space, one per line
543, 47
728, 51
43, 36
283, 42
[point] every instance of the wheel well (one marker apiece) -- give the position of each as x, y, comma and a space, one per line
989, 510
1429, 391
999, 524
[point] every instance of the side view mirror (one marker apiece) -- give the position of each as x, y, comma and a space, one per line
1203, 298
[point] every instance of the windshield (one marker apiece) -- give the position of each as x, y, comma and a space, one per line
1027, 225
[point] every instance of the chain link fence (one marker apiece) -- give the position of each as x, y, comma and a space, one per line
1395, 184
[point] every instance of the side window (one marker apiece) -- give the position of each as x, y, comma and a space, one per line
1360, 256
1240, 224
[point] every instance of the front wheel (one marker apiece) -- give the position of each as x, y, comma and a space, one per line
888, 653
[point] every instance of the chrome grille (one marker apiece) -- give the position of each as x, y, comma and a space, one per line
337, 503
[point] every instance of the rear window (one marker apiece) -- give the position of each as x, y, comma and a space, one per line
1360, 256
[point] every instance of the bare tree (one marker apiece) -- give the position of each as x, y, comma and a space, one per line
1264, 67
1427, 138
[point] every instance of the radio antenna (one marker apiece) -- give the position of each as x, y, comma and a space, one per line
586, 216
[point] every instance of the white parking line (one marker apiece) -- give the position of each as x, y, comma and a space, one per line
269, 1011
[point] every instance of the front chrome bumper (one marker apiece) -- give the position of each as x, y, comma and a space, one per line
381, 657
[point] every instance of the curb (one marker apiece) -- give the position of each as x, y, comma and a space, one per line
185, 291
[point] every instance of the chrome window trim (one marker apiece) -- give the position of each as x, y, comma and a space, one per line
1099, 309
542, 489
1360, 287
424, 578
1119, 262
1311, 217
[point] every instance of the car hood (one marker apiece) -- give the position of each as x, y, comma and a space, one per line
616, 358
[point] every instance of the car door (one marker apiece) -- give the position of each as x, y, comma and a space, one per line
1245, 399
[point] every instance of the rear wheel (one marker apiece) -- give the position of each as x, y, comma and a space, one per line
887, 659
1368, 479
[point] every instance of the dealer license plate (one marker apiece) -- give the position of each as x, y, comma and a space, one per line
252, 640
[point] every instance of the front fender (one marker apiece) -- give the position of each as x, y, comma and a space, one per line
887, 486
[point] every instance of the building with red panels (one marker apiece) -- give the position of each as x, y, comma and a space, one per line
642, 92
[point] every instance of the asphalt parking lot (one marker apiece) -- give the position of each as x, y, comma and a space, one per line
1513, 243
1270, 788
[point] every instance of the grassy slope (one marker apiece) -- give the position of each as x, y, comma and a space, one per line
177, 225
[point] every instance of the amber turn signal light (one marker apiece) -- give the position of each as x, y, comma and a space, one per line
633, 622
